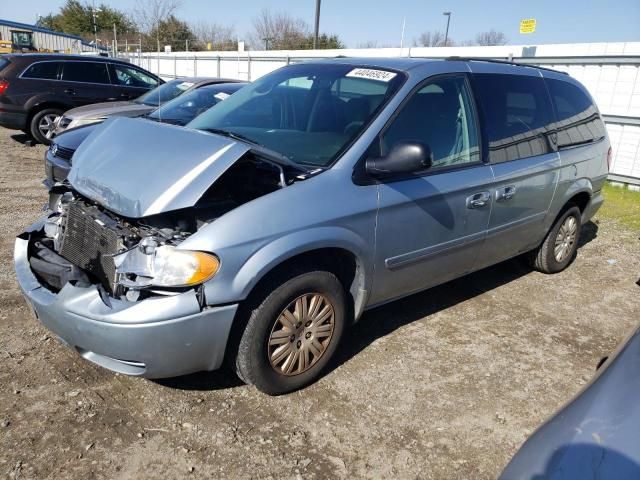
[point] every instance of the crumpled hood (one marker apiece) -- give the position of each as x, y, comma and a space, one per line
137, 168
109, 109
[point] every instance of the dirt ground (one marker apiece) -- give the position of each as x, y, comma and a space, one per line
444, 384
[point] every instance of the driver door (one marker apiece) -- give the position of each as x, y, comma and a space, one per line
431, 225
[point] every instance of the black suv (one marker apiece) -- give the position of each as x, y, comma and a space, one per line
35, 89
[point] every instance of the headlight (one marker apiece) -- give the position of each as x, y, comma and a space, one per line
174, 267
149, 265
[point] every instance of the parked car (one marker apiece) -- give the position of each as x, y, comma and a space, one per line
595, 435
36, 88
179, 111
99, 112
323, 189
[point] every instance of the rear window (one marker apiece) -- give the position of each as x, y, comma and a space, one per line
43, 70
517, 114
578, 118
88, 72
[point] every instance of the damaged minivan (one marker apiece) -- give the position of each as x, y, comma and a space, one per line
260, 231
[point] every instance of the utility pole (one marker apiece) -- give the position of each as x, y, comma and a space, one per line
115, 41
316, 31
95, 25
446, 33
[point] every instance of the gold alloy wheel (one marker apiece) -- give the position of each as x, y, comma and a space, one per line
565, 239
301, 334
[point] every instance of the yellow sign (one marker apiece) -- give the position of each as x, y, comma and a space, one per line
528, 25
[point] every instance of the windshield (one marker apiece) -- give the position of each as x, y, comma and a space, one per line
185, 108
307, 112
164, 93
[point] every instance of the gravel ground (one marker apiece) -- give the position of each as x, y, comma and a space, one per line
444, 384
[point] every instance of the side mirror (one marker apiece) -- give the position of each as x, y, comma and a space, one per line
404, 157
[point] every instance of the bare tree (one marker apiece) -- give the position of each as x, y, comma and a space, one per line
492, 37
368, 44
219, 36
279, 31
432, 39
149, 13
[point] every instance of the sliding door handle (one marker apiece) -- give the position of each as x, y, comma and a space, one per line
478, 200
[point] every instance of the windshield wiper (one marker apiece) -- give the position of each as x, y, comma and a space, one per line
266, 151
235, 136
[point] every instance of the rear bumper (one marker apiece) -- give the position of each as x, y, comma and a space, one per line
13, 120
153, 338
55, 169
592, 207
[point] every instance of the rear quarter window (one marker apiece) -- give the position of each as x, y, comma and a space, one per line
43, 71
578, 120
3, 63
88, 72
516, 114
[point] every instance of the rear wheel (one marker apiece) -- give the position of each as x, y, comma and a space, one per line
42, 126
561, 243
292, 334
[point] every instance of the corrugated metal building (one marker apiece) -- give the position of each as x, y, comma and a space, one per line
30, 37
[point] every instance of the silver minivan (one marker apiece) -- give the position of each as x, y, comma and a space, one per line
274, 220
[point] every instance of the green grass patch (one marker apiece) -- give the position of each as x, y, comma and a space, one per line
621, 205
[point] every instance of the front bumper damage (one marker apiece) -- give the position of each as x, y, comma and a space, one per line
157, 337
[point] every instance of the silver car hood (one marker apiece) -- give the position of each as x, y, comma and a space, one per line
108, 109
137, 168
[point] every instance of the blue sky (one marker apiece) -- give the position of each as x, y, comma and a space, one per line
359, 21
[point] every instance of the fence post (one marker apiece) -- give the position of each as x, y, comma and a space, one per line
175, 66
195, 66
248, 67
218, 66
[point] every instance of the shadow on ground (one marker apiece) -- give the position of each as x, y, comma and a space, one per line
382, 321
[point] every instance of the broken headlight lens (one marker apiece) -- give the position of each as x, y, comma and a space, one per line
149, 265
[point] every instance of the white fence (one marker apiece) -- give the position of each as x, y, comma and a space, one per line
610, 71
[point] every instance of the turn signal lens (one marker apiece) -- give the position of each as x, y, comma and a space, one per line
609, 157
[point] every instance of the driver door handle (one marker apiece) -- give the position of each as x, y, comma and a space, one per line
70, 91
478, 200
505, 193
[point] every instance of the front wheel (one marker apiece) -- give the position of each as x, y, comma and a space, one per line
561, 243
293, 333
43, 125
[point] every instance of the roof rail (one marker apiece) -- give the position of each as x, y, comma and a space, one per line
506, 62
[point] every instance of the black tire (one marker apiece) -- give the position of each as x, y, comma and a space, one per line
34, 125
544, 258
252, 361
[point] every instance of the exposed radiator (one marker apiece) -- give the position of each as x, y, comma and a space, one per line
88, 236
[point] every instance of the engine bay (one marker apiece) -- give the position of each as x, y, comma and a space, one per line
84, 243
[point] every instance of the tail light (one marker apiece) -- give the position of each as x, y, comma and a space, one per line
609, 157
3, 86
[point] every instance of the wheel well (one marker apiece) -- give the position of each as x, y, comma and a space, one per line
342, 263
42, 106
581, 200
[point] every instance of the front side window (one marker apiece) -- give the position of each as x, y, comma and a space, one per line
516, 114
578, 118
131, 77
439, 115
299, 112
42, 70
87, 72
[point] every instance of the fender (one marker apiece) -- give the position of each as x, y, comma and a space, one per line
577, 186
38, 100
272, 254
